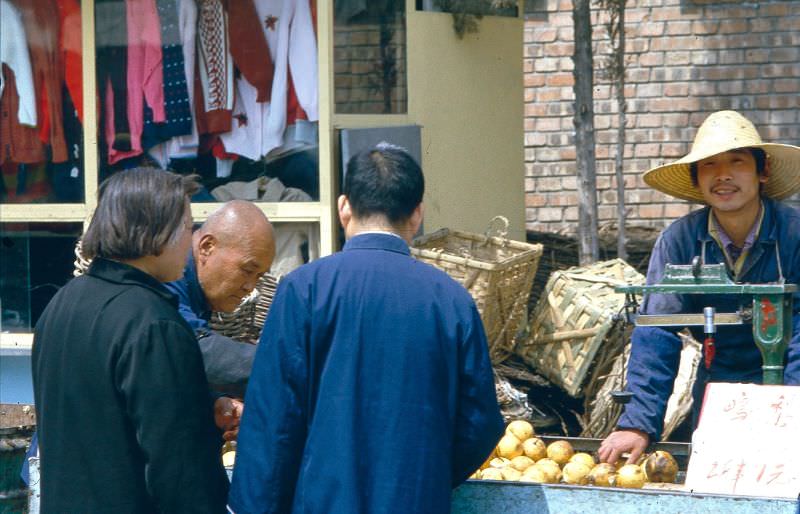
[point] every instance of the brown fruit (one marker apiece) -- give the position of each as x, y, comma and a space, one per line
583, 458
521, 463
660, 467
602, 474
499, 462
630, 476
576, 473
534, 448
551, 469
520, 429
491, 474
509, 447
510, 474
534, 474
560, 451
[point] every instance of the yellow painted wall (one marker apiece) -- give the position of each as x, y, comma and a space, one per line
468, 96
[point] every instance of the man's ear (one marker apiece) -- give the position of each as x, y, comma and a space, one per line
415, 221
763, 177
345, 212
206, 246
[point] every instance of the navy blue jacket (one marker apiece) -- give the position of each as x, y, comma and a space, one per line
655, 352
227, 361
371, 392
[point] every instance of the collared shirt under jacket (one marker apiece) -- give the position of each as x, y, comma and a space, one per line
372, 390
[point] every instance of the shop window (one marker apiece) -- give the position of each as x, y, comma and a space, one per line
370, 57
37, 261
41, 102
226, 90
474, 7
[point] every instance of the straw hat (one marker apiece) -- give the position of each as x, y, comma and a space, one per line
721, 132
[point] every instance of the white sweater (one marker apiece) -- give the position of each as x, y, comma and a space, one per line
259, 127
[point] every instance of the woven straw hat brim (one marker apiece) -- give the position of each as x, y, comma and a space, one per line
675, 178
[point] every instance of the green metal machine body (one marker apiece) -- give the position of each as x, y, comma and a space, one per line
770, 314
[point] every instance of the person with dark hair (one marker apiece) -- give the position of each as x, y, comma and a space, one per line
372, 389
125, 421
740, 179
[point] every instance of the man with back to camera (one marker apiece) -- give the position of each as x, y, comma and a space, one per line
740, 179
372, 389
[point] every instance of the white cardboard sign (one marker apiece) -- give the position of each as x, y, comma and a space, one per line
747, 441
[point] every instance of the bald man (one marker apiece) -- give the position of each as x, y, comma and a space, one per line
230, 252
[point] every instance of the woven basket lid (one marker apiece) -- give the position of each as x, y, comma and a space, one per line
721, 132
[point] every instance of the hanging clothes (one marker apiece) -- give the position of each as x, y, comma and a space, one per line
176, 95
69, 14
14, 53
42, 25
181, 147
18, 143
289, 31
111, 40
145, 77
214, 77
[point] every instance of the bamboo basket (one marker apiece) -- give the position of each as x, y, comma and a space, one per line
243, 324
601, 413
577, 321
496, 271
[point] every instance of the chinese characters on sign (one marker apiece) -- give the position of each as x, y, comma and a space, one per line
746, 441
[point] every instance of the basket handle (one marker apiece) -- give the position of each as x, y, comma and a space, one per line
495, 229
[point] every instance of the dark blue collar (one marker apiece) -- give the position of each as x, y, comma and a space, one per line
376, 241
197, 299
120, 273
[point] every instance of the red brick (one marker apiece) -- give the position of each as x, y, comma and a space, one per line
733, 26
676, 89
535, 200
559, 49
533, 79
560, 79
647, 150
544, 34
705, 27
678, 28
651, 211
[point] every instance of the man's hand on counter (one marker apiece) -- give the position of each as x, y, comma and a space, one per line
623, 441
227, 415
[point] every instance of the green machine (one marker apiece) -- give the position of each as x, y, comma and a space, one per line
770, 311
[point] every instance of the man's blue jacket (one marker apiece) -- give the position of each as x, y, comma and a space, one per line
655, 352
372, 390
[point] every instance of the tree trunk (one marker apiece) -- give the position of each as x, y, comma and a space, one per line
584, 133
619, 57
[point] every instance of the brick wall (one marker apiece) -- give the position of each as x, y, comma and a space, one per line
369, 79
686, 59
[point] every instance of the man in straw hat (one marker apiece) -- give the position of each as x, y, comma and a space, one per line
740, 180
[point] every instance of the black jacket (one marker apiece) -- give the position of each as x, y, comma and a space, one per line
124, 418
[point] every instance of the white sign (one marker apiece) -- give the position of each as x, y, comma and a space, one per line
747, 441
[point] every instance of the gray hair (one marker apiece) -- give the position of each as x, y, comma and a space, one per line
139, 212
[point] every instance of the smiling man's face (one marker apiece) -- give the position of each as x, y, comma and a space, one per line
729, 181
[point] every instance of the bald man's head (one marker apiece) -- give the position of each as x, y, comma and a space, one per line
232, 250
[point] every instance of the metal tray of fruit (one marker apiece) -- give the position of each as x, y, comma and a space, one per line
509, 482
